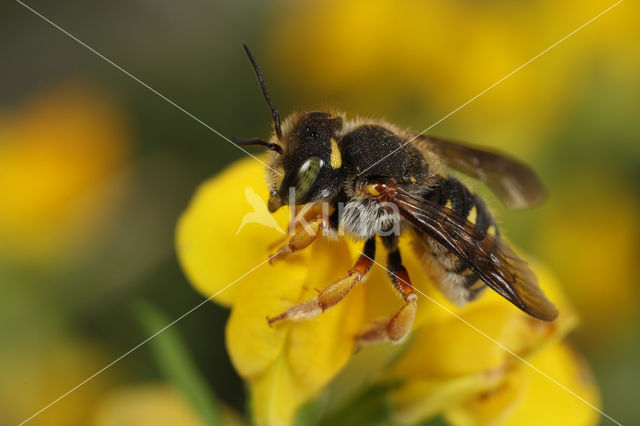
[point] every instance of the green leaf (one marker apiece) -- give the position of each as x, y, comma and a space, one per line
436, 421
371, 407
176, 365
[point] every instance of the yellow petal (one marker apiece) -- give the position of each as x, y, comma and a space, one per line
275, 396
210, 252
527, 397
289, 362
423, 398
289, 358
567, 367
451, 348
267, 292
476, 340
317, 349
493, 405
452, 357
449, 361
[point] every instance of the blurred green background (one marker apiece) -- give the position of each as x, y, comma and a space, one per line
95, 169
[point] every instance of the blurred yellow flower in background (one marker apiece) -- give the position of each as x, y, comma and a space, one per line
145, 405
447, 363
151, 404
592, 238
35, 374
56, 152
418, 60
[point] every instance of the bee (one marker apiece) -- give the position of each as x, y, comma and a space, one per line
379, 182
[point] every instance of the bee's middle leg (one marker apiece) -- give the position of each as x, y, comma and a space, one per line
333, 294
398, 327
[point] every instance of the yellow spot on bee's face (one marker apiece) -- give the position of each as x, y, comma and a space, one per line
413, 179
448, 205
491, 230
473, 215
371, 189
336, 157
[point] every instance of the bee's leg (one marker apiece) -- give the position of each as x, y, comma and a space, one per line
398, 327
333, 294
303, 236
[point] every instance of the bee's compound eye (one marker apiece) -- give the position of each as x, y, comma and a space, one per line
307, 176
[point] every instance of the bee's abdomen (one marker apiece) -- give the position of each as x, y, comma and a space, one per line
452, 275
452, 194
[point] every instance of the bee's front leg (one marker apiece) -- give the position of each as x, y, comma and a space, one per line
333, 294
302, 237
305, 227
398, 327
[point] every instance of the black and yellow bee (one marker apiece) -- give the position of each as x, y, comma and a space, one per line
381, 181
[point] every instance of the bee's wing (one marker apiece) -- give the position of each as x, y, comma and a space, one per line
514, 183
486, 255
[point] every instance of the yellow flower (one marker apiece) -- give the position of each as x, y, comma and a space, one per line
421, 59
473, 369
287, 364
56, 153
526, 397
151, 404
145, 405
591, 239
36, 373
447, 362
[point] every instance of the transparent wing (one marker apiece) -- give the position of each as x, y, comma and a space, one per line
485, 254
515, 184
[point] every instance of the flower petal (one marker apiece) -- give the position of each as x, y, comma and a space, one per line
211, 250
288, 363
275, 396
567, 367
519, 401
251, 343
452, 348
422, 399
452, 357
326, 343
494, 405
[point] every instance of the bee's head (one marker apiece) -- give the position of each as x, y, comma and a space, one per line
310, 160
305, 157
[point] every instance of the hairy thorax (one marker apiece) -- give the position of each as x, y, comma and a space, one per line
363, 219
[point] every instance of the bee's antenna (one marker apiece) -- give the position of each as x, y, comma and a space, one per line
248, 142
274, 111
